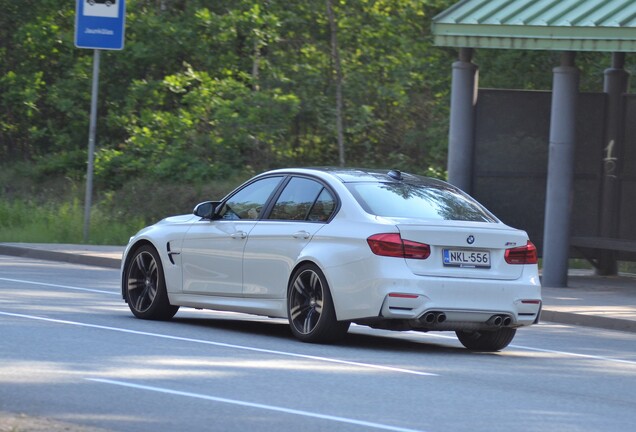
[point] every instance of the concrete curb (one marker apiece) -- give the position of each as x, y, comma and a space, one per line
49, 255
574, 319
548, 314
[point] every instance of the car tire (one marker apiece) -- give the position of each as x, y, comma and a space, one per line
145, 286
486, 341
310, 308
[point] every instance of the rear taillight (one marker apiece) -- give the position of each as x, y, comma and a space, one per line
522, 255
392, 244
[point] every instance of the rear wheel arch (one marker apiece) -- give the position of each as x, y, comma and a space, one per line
324, 273
310, 308
298, 265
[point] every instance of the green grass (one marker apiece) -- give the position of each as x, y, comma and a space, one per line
49, 209
24, 221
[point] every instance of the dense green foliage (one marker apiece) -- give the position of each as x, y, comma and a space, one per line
206, 88
218, 90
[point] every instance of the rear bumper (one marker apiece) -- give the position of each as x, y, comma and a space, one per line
425, 317
389, 291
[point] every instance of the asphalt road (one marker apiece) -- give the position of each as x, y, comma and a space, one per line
71, 351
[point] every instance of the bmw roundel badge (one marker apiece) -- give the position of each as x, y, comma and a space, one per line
470, 239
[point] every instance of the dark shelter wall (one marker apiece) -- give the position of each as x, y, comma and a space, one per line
511, 159
627, 168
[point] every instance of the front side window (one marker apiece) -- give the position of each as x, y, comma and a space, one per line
420, 201
248, 202
304, 199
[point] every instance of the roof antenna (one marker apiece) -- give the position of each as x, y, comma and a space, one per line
395, 174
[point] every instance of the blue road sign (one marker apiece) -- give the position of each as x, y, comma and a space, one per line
100, 24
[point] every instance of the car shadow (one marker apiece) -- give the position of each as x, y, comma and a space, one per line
262, 327
397, 343
279, 329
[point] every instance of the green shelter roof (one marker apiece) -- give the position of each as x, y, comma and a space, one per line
564, 25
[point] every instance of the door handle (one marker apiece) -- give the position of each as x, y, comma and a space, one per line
301, 234
239, 235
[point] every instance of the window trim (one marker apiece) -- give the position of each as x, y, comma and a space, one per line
267, 202
272, 202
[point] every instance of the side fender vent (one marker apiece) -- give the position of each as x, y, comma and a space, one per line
170, 253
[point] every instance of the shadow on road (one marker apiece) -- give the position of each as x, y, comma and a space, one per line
279, 329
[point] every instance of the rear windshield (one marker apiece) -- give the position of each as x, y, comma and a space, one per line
422, 201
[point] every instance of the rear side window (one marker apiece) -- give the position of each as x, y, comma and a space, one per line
418, 201
323, 208
303, 199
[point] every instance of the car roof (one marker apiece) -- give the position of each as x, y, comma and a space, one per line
356, 175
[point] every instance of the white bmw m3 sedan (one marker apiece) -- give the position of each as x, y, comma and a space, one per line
327, 247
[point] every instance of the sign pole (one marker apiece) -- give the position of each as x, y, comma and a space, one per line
99, 25
91, 146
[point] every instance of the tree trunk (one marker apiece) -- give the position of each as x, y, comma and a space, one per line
335, 55
256, 65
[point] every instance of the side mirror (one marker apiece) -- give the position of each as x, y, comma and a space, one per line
206, 209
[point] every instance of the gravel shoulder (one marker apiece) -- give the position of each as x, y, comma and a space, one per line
11, 422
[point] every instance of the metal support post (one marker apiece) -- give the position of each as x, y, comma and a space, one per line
91, 146
461, 135
616, 83
556, 236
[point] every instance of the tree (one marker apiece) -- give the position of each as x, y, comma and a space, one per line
335, 57
203, 88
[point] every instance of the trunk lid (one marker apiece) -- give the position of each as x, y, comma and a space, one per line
464, 249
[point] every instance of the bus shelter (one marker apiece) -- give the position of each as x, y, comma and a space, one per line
567, 26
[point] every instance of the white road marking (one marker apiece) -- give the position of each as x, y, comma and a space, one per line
255, 405
564, 353
222, 344
61, 286
549, 351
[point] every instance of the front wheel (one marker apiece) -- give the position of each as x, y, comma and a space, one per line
145, 286
486, 341
310, 308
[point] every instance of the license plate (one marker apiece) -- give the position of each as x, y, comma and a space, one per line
466, 258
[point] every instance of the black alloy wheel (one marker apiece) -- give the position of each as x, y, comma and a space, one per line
310, 308
145, 286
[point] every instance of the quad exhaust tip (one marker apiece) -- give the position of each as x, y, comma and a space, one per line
434, 317
499, 320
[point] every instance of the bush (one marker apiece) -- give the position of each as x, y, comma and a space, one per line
49, 209
29, 222
151, 200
